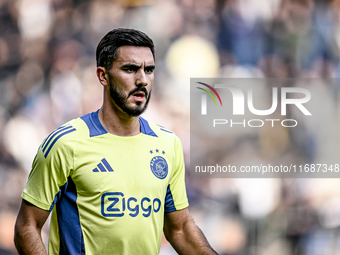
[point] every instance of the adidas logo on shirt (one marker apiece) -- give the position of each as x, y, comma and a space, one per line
103, 166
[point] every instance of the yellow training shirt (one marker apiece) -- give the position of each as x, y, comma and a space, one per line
107, 193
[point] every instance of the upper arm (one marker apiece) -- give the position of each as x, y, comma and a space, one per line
176, 205
31, 216
28, 227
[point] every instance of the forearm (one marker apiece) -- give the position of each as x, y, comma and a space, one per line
28, 240
189, 240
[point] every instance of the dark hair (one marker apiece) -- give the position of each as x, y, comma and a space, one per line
107, 49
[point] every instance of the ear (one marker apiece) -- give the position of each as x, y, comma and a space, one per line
102, 76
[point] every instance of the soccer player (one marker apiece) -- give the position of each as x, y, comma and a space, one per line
112, 180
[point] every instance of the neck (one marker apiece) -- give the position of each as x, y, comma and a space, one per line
117, 122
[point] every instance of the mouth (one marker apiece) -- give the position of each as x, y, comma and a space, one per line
138, 96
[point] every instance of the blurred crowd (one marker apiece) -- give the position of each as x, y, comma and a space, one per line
47, 77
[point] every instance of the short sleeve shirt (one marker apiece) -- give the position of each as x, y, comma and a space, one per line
107, 193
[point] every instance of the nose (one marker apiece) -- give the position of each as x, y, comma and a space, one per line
141, 79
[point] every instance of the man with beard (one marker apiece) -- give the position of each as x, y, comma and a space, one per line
112, 180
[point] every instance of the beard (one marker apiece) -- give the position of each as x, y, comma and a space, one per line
121, 100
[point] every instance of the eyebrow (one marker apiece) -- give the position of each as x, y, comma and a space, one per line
151, 66
135, 66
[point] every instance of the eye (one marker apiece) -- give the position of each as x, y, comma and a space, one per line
149, 70
130, 69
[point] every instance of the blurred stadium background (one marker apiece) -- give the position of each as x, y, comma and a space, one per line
47, 77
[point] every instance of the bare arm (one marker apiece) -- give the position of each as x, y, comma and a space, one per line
28, 226
184, 235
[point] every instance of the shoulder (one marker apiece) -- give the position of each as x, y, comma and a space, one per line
160, 132
155, 130
66, 136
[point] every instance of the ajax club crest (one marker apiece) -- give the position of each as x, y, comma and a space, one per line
159, 167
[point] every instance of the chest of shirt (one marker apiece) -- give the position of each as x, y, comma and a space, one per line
122, 165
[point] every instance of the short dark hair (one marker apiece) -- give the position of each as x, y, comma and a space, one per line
107, 49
